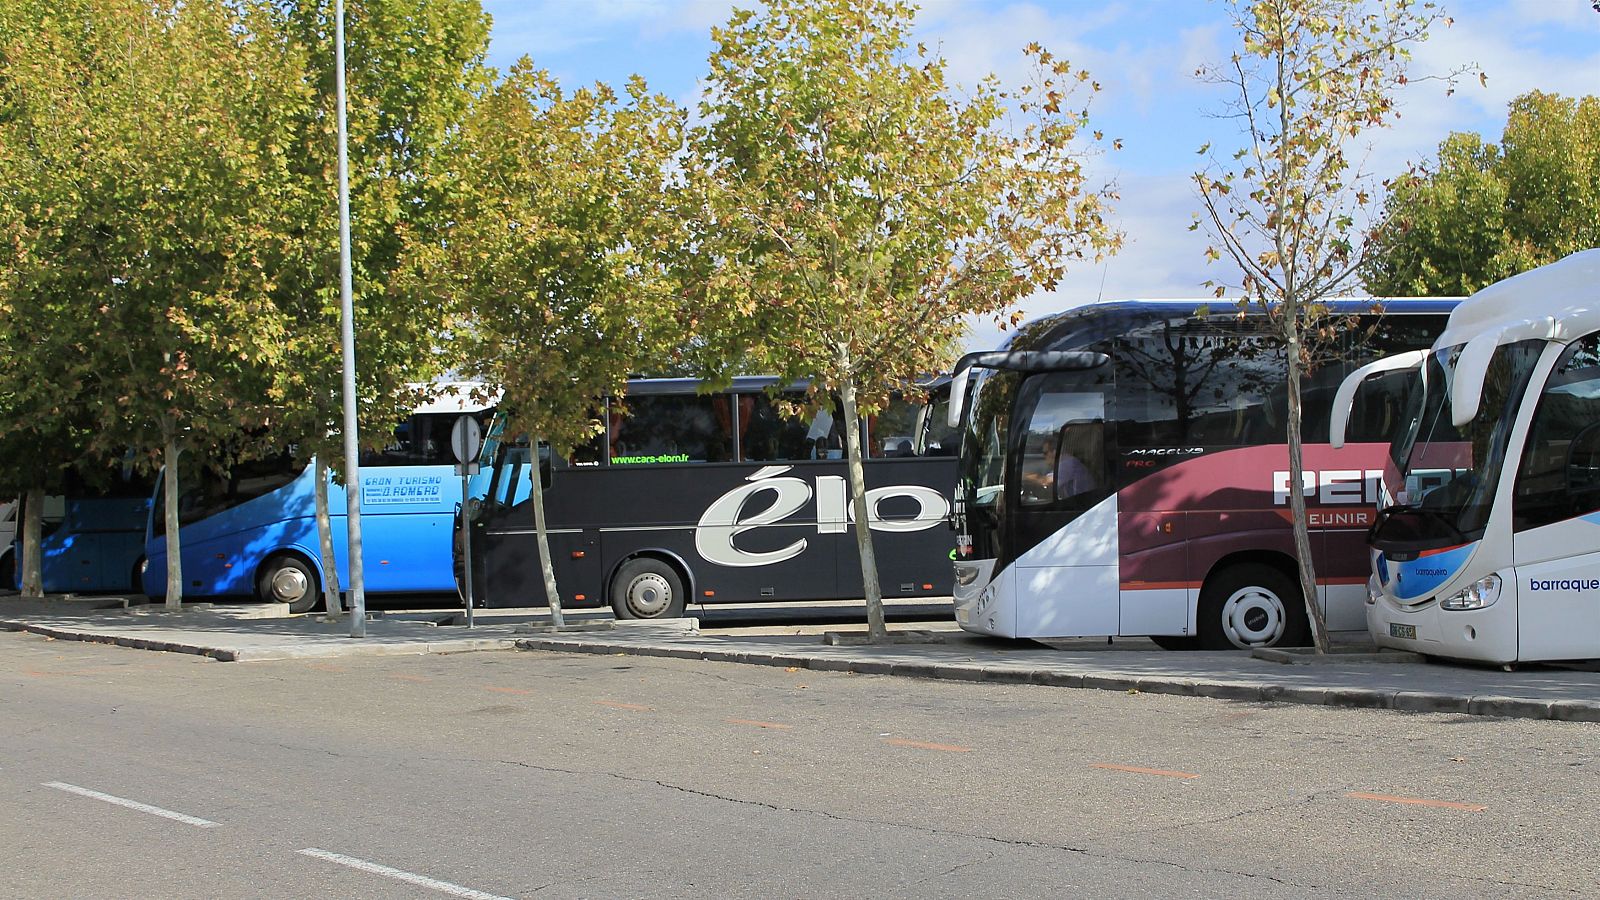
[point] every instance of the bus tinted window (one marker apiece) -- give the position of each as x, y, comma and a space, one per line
422, 440
940, 438
1560, 473
766, 435
1198, 383
1379, 405
1063, 455
206, 492
893, 431
670, 428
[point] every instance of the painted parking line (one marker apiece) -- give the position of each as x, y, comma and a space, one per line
759, 724
443, 887
1417, 801
1139, 770
618, 705
133, 804
924, 745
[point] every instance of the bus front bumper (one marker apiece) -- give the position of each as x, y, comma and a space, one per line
1482, 635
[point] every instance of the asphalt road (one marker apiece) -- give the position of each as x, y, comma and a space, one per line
521, 774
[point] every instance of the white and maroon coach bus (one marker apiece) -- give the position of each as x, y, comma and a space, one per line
1123, 471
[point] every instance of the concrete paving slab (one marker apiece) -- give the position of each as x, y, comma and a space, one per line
1566, 693
243, 632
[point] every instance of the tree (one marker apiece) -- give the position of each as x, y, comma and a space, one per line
853, 208
552, 263
146, 148
1486, 212
1310, 77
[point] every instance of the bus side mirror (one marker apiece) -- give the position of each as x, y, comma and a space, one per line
1344, 399
546, 468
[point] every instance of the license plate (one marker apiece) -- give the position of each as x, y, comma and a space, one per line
1409, 632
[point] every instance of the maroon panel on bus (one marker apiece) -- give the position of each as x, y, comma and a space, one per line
1177, 522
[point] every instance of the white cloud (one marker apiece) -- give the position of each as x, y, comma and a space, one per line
543, 27
1160, 258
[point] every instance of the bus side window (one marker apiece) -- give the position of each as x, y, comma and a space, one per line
669, 428
769, 435
890, 433
937, 436
1197, 383
1558, 478
1063, 450
1379, 403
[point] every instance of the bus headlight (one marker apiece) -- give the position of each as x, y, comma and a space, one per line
144, 566
1481, 593
966, 574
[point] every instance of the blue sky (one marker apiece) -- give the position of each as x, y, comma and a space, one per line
1143, 52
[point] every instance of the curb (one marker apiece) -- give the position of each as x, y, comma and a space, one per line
263, 654
1350, 698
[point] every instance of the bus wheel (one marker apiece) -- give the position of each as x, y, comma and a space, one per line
1176, 642
1250, 605
137, 578
647, 589
288, 579
8, 570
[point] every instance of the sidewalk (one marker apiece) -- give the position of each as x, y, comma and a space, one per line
1536, 692
247, 632
242, 632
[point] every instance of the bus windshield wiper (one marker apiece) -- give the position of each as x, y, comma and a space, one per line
1388, 512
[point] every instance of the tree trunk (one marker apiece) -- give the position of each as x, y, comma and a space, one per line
543, 535
1297, 495
877, 632
32, 532
169, 486
330, 566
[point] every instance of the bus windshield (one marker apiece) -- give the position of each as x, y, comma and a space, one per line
983, 462
1449, 473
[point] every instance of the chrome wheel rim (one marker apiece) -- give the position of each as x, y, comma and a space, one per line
288, 585
648, 595
1254, 617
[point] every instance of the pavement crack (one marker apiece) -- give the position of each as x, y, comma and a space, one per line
988, 855
1251, 811
922, 829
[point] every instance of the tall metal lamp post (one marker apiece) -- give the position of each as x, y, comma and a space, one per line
352, 448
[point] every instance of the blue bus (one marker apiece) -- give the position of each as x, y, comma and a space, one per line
252, 530
93, 536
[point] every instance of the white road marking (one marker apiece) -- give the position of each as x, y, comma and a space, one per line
444, 887
133, 804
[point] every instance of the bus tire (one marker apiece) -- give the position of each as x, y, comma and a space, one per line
1251, 605
1176, 642
288, 579
8, 570
647, 588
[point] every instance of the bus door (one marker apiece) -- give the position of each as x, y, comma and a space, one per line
1064, 525
1556, 515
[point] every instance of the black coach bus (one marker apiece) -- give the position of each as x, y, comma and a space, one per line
720, 497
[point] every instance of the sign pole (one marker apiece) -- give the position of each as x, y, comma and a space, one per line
466, 541
347, 346
466, 442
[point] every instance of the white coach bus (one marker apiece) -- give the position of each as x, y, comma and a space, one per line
1489, 548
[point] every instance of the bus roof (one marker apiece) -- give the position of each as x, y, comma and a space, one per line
454, 397
742, 384
1082, 326
1564, 294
